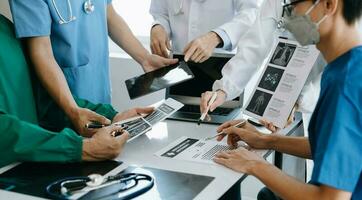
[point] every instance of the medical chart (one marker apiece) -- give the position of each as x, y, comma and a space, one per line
142, 124
281, 82
195, 150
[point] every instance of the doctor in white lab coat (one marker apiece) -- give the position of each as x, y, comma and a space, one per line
196, 27
253, 48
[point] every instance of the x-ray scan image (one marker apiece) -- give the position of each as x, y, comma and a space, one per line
283, 53
259, 102
271, 78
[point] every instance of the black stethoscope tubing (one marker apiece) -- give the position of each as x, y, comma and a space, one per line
132, 176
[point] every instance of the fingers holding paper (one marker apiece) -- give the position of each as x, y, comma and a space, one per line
240, 160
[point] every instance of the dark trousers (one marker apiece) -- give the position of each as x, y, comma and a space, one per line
267, 194
233, 193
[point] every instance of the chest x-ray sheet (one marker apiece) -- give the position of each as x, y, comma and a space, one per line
281, 82
195, 150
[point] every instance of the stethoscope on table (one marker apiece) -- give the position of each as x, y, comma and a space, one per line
107, 187
88, 8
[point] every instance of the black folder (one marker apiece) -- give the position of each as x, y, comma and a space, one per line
33, 178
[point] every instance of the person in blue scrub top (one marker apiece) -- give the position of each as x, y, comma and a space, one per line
67, 43
335, 131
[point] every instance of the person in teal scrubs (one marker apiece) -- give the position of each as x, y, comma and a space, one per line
67, 42
335, 130
22, 138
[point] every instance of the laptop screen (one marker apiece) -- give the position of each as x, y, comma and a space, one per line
205, 73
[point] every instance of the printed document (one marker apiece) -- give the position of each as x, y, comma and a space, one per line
195, 150
281, 82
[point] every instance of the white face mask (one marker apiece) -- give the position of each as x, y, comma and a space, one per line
303, 28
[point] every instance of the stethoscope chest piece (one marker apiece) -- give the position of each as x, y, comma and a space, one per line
95, 180
88, 7
280, 24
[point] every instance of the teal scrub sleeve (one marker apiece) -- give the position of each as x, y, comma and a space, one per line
109, 1
105, 110
31, 18
23, 141
338, 158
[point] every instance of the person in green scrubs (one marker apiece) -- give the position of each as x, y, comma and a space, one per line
22, 138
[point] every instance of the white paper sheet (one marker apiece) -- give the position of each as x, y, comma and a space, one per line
142, 124
195, 150
281, 82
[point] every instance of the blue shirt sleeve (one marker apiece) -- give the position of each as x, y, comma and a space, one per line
225, 38
338, 152
109, 1
31, 18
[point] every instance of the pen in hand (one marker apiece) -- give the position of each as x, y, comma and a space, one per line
97, 125
238, 125
203, 116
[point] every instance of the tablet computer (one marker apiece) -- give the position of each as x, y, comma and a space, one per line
159, 79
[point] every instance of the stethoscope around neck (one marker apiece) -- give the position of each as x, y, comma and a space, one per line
88, 8
281, 24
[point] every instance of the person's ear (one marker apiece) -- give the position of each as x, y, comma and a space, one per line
330, 7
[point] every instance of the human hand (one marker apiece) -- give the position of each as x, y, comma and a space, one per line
270, 126
103, 146
248, 134
153, 62
132, 113
206, 97
160, 42
240, 160
201, 48
82, 116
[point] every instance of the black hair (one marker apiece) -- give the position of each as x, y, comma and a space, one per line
352, 10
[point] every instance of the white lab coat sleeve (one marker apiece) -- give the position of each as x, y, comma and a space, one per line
225, 38
159, 12
253, 48
246, 11
308, 98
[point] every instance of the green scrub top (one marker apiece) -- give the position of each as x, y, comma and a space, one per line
21, 137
